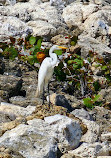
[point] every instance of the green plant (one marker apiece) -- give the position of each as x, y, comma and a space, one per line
91, 102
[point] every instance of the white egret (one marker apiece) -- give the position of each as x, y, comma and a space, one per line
46, 71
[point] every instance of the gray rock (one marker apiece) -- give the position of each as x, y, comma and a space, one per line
30, 142
67, 134
11, 109
88, 43
11, 84
102, 117
105, 94
42, 28
106, 137
12, 26
60, 100
40, 138
91, 150
81, 113
93, 132
72, 15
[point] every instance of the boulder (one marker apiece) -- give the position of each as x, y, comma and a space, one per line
60, 100
91, 150
29, 142
40, 138
82, 114
72, 15
11, 84
93, 132
12, 26
42, 28
88, 43
67, 134
14, 110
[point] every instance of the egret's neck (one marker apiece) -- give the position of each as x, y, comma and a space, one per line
53, 57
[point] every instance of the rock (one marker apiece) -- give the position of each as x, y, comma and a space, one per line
74, 49
2, 2
15, 110
91, 150
60, 40
67, 134
60, 100
106, 136
101, 116
6, 118
96, 24
38, 143
25, 101
41, 28
45, 12
92, 133
81, 113
93, 130
4, 95
72, 15
11, 84
103, 156
67, 156
42, 137
105, 94
95, 34
88, 43
12, 26
10, 125
89, 10
75, 13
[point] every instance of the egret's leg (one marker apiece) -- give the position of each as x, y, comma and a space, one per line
49, 94
43, 96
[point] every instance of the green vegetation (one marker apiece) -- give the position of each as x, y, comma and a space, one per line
73, 68
91, 102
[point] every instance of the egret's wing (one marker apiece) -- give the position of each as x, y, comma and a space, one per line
44, 75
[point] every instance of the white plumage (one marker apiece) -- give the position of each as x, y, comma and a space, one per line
46, 69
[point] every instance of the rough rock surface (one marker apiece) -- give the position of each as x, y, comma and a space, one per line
27, 138
91, 150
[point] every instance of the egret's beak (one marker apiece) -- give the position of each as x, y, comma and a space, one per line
62, 47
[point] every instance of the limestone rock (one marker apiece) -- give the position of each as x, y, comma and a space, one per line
89, 9
92, 133
42, 28
81, 113
60, 40
88, 43
40, 138
25, 101
102, 115
91, 150
11, 84
72, 15
106, 136
12, 26
67, 135
103, 156
29, 142
98, 23
105, 94
60, 100
15, 110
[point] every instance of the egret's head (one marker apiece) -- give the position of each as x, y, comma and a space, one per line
56, 47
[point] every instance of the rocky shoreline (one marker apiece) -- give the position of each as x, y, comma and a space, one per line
67, 129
